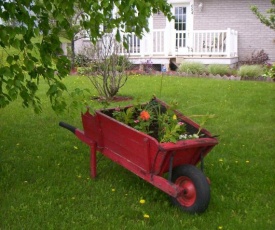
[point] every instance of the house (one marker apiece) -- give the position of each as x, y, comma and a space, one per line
208, 31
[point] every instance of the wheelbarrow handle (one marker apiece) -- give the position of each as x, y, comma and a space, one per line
67, 126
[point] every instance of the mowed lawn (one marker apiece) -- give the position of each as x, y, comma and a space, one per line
44, 169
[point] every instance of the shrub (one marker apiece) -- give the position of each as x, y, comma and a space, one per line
124, 61
250, 71
85, 70
270, 71
107, 70
147, 66
257, 58
219, 69
192, 68
82, 60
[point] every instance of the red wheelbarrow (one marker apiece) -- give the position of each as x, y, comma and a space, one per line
171, 167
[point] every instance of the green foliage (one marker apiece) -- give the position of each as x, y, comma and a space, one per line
219, 69
155, 120
204, 119
108, 73
191, 67
125, 116
45, 179
266, 20
82, 60
123, 63
270, 71
85, 70
170, 129
250, 71
28, 61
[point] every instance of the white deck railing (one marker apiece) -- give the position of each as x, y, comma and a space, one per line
181, 43
215, 42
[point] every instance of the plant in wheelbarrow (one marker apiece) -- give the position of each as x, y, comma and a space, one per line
159, 121
157, 143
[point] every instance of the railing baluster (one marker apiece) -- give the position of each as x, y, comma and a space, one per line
197, 42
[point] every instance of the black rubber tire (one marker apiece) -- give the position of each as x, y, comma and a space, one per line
196, 196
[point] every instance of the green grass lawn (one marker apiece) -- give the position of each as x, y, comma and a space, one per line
44, 169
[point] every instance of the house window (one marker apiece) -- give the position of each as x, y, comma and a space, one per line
180, 18
180, 26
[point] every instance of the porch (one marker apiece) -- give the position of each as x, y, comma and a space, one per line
205, 46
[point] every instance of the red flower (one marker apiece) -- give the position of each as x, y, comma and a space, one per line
144, 115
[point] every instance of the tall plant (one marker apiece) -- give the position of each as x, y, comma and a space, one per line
108, 71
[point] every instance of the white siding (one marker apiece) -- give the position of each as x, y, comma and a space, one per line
236, 14
159, 21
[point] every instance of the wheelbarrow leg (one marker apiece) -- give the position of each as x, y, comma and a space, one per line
93, 159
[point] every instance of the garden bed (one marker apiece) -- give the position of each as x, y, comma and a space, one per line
224, 77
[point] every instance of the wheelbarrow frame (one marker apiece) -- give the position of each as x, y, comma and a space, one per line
140, 153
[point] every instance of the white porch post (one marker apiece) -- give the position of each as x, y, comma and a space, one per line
146, 42
170, 34
149, 37
235, 43
142, 45
190, 27
228, 42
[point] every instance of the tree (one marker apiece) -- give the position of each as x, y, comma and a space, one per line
268, 21
31, 50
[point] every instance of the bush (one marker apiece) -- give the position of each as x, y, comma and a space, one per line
85, 70
270, 71
82, 60
250, 71
124, 62
219, 69
192, 68
257, 58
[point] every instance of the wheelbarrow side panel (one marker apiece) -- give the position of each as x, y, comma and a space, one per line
127, 143
91, 127
120, 142
183, 152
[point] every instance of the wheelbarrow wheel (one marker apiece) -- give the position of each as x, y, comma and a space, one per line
195, 196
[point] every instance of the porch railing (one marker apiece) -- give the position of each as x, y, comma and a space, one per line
213, 42
191, 43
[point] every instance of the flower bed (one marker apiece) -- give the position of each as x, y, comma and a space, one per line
157, 121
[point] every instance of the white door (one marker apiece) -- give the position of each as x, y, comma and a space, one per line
180, 26
183, 23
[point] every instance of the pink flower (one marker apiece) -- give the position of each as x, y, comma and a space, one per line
180, 123
136, 121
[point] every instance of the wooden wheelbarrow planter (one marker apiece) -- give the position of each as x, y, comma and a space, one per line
147, 158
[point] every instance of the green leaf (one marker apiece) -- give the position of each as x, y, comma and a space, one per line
16, 57
52, 90
17, 83
118, 37
9, 59
29, 64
